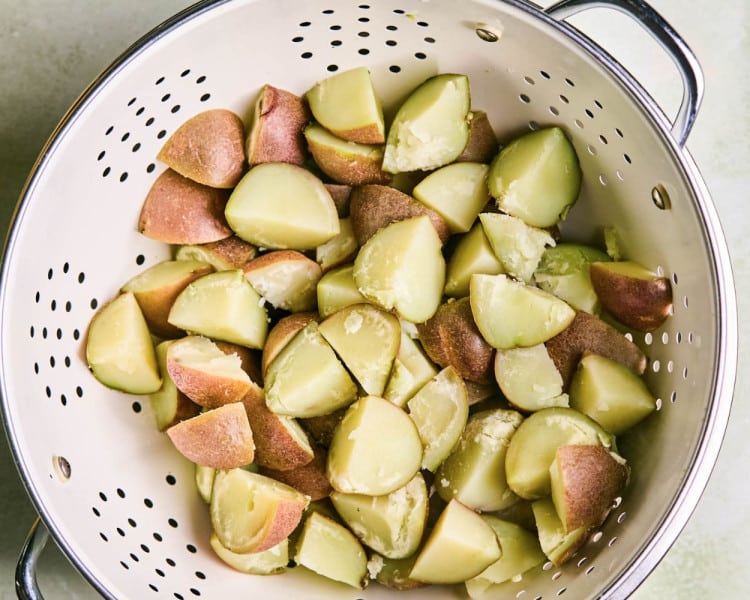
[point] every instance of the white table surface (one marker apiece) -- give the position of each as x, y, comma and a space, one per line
50, 50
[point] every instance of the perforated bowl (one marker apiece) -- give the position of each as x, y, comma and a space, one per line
114, 493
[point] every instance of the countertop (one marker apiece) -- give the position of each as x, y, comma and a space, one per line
51, 50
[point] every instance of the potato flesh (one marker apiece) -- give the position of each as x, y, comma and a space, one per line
411, 370
222, 306
391, 524
610, 393
457, 192
564, 271
529, 379
401, 267
460, 546
532, 449
332, 551
511, 314
518, 246
557, 544
475, 472
288, 281
306, 379
268, 562
536, 177
431, 127
346, 104
244, 508
440, 410
521, 552
472, 254
119, 350
279, 205
366, 339
337, 289
353, 466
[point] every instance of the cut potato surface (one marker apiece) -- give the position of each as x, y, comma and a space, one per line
223, 255
223, 306
536, 177
431, 127
472, 254
307, 379
391, 524
457, 192
331, 550
510, 313
253, 513
346, 104
338, 250
119, 350
281, 334
366, 339
353, 466
475, 472
268, 562
280, 205
557, 544
521, 552
440, 410
460, 546
401, 267
285, 278
532, 448
411, 370
529, 378
345, 162
518, 246
610, 393
337, 289
157, 287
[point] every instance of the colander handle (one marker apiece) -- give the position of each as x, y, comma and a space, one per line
683, 57
26, 584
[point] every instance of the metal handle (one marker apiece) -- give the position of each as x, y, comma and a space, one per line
26, 584
683, 57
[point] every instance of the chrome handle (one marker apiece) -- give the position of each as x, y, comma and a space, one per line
26, 584
661, 31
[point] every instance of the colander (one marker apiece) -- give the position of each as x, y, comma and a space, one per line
113, 492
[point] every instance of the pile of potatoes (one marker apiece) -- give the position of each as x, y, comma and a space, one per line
372, 342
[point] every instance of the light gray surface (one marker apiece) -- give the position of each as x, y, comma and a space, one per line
50, 50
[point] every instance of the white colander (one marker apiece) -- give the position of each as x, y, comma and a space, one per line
114, 493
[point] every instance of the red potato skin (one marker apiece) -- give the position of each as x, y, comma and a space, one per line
451, 338
220, 438
274, 447
208, 148
593, 479
641, 304
482, 145
177, 210
277, 134
373, 206
310, 479
587, 333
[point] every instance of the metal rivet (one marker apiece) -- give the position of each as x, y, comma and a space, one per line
61, 467
660, 197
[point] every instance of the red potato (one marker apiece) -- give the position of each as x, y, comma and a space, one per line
205, 374
635, 296
372, 207
287, 279
156, 288
223, 255
482, 145
451, 338
178, 210
587, 333
208, 148
282, 333
276, 134
310, 479
220, 438
280, 443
